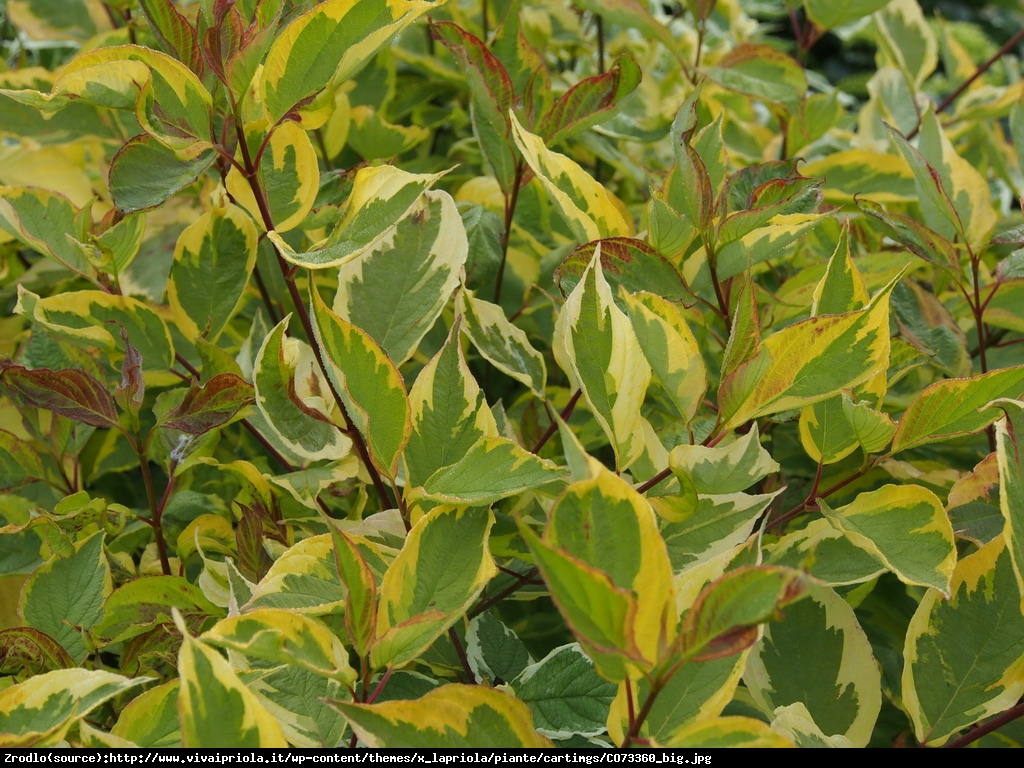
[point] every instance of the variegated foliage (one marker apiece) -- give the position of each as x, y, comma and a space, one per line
376, 373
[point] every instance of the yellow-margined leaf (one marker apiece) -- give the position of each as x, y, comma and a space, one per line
369, 384
596, 346
396, 289
591, 211
213, 259
39, 711
670, 348
610, 530
168, 99
449, 717
381, 197
962, 657
82, 317
302, 579
505, 345
700, 690
449, 413
727, 732
288, 172
217, 708
906, 528
807, 362
295, 398
1010, 452
433, 581
330, 43
956, 407
286, 637
819, 656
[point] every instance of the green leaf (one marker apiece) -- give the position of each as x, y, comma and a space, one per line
213, 259
494, 651
671, 350
297, 695
962, 656
303, 579
596, 346
818, 656
441, 570
169, 101
914, 235
698, 691
39, 711
716, 526
492, 91
492, 469
396, 289
727, 732
503, 344
826, 554
72, 393
954, 196
177, 37
449, 717
144, 173
217, 708
295, 399
905, 527
139, 605
594, 608
907, 40
589, 102
330, 44
829, 14
956, 407
771, 241
602, 536
627, 264
369, 384
761, 71
565, 694
361, 600
64, 596
209, 405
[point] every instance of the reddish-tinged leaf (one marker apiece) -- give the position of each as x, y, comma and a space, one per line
71, 393
493, 94
210, 405
29, 650
361, 603
726, 614
172, 30
253, 560
590, 101
915, 235
132, 389
633, 264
